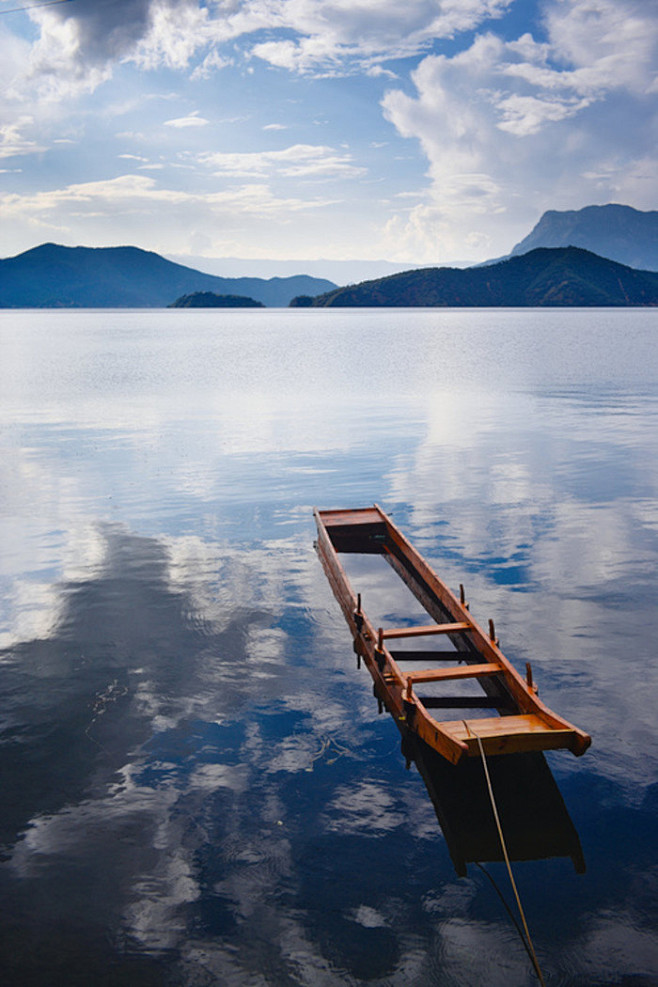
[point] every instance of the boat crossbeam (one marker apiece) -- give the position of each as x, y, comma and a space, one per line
445, 674
394, 633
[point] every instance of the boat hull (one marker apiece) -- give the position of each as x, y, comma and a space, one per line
525, 724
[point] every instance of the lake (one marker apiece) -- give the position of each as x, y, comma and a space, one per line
197, 787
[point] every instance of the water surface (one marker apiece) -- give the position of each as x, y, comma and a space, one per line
197, 787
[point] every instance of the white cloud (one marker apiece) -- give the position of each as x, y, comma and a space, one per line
57, 66
378, 71
259, 199
144, 194
14, 139
609, 43
79, 46
136, 188
192, 120
137, 208
177, 30
522, 126
296, 161
524, 115
334, 32
508, 127
210, 64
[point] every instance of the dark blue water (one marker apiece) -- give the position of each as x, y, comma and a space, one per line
196, 785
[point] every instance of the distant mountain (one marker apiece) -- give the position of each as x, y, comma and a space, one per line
338, 271
207, 299
566, 276
619, 233
51, 276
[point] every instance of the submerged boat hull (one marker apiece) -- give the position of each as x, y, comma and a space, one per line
524, 723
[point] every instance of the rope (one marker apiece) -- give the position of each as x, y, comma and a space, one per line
507, 908
531, 948
326, 743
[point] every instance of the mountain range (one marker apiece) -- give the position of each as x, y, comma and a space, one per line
52, 276
564, 276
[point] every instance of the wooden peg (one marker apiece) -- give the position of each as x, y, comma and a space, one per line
358, 614
528, 677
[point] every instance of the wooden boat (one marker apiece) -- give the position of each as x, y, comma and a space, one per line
520, 721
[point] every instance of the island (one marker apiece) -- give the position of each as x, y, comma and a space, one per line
208, 299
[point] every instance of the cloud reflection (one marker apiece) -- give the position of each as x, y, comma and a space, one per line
543, 527
196, 782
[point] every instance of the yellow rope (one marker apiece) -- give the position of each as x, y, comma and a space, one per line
533, 955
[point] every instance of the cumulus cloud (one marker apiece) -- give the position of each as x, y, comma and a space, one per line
526, 120
79, 45
509, 126
331, 31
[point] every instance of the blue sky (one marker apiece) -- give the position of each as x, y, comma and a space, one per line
419, 133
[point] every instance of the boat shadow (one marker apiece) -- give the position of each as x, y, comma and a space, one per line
533, 816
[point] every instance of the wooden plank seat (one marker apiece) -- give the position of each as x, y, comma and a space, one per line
463, 702
427, 656
449, 674
353, 518
425, 630
461, 672
506, 734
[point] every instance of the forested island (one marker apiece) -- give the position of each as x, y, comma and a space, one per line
208, 299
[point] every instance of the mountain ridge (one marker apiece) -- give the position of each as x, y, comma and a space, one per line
617, 232
53, 276
565, 276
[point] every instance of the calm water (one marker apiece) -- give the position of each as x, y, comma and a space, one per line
196, 786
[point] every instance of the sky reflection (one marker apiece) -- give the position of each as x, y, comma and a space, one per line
198, 786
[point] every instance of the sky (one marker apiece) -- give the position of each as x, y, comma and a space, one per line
417, 133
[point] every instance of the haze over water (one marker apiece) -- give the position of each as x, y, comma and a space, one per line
197, 788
